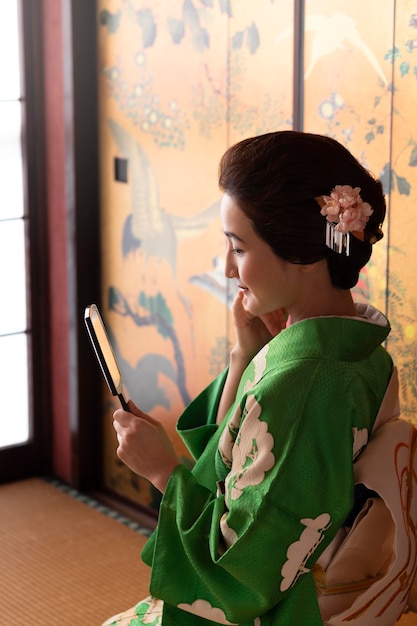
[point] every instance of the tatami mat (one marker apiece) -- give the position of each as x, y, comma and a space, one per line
63, 562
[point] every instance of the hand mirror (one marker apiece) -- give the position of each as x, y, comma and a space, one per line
104, 352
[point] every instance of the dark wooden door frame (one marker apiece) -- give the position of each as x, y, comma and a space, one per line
71, 96
80, 75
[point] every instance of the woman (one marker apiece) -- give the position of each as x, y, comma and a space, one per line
275, 436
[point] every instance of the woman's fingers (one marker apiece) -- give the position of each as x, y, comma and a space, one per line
144, 445
240, 316
125, 417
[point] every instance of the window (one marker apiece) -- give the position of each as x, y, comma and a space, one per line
14, 427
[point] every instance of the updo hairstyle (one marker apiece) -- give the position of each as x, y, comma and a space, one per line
275, 178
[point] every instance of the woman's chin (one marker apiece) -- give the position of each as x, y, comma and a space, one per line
249, 305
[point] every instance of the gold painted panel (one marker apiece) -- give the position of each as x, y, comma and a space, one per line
178, 82
401, 184
361, 89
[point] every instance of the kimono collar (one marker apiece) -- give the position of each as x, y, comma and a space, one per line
333, 338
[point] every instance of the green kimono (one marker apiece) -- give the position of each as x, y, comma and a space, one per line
238, 535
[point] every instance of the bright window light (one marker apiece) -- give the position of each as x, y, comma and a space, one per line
14, 425
9, 51
14, 385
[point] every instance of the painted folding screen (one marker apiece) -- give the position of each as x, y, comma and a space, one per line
179, 82
360, 86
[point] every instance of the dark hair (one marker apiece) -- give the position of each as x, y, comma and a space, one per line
275, 179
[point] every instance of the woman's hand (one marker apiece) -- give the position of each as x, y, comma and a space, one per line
252, 333
144, 446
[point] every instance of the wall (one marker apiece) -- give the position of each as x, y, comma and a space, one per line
69, 179
178, 83
56, 194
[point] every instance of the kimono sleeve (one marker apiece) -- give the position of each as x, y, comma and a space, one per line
238, 553
197, 423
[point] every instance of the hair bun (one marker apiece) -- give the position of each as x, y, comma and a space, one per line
374, 237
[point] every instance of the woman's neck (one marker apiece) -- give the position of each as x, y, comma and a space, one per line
319, 297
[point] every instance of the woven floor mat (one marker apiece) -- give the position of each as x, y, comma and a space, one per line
63, 562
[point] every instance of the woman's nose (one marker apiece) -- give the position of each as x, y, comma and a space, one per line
230, 270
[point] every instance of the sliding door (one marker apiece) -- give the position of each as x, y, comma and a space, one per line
22, 238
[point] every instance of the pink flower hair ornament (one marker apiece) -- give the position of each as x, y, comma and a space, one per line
346, 214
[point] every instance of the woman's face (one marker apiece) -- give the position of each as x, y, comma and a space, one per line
268, 283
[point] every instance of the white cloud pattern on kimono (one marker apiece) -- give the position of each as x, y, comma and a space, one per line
299, 551
230, 432
360, 439
252, 452
259, 362
202, 608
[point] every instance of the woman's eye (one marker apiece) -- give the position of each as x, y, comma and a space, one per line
237, 251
